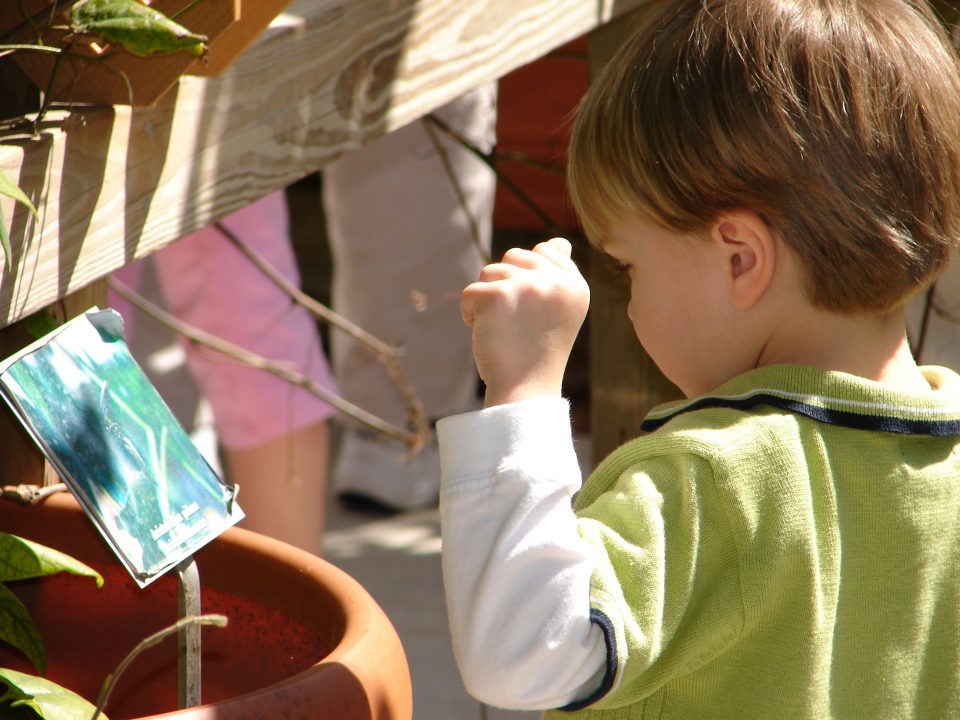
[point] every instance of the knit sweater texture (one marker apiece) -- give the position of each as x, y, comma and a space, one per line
788, 547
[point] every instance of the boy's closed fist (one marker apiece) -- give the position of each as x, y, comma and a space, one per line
525, 312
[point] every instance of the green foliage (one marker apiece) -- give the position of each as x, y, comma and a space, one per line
11, 190
18, 629
137, 28
46, 699
141, 30
21, 559
40, 323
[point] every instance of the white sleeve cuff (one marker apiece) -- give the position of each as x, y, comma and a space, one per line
475, 445
516, 571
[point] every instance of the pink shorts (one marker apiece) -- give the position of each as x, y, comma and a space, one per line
207, 282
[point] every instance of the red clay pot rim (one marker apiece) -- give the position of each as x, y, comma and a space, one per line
365, 676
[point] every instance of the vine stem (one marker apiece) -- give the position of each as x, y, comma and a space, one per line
185, 9
7, 48
317, 309
489, 159
30, 23
388, 355
413, 440
925, 322
30, 494
110, 683
457, 189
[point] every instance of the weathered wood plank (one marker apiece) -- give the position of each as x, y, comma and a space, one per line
326, 77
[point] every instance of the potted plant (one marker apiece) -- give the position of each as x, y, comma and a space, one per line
96, 51
61, 53
111, 52
304, 640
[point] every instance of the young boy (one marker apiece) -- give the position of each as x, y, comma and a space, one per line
777, 178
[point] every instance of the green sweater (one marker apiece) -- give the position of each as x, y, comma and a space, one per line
788, 547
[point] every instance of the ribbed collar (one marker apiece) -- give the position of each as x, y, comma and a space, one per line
834, 397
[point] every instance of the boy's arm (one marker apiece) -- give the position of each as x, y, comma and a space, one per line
516, 572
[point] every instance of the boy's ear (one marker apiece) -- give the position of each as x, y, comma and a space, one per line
748, 248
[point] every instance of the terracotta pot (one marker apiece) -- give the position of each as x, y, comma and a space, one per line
304, 639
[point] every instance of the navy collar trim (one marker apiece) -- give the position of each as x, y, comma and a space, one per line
845, 418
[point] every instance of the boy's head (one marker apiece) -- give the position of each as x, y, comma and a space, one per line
837, 122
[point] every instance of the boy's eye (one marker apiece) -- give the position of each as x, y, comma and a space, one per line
622, 268
618, 267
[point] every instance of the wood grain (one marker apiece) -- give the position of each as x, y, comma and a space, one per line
326, 77
255, 17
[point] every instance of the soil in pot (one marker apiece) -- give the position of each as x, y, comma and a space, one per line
304, 640
260, 645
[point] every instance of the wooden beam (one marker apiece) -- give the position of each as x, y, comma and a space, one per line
327, 76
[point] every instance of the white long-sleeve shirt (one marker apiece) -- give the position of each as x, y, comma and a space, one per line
516, 571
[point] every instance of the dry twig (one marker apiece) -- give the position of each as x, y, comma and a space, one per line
488, 158
388, 355
282, 370
457, 189
30, 494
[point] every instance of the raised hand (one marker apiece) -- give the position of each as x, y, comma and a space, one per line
525, 311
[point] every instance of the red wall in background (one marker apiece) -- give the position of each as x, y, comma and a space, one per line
533, 117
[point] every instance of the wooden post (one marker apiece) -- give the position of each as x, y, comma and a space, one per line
625, 384
79, 301
23, 463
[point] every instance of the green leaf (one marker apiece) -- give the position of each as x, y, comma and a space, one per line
49, 700
19, 630
21, 559
5, 241
40, 323
9, 188
141, 30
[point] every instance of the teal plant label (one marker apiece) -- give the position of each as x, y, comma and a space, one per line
102, 425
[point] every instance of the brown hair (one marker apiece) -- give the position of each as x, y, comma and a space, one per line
837, 121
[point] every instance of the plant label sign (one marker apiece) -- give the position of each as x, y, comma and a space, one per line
112, 439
